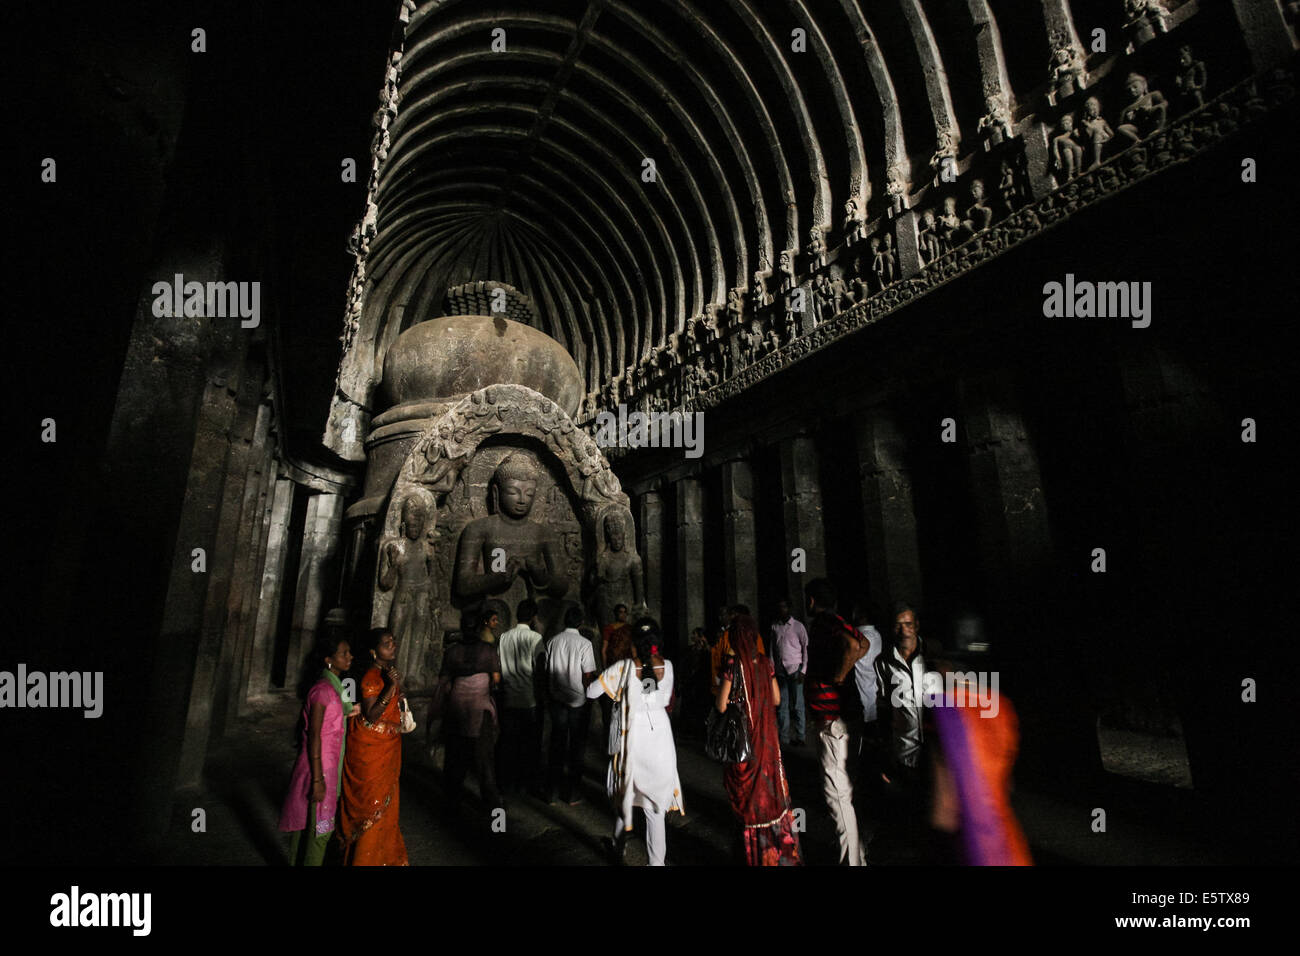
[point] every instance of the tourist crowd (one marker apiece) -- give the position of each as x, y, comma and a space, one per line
866, 703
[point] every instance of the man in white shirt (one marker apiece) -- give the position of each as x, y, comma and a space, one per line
901, 677
570, 667
868, 784
864, 671
522, 662
905, 771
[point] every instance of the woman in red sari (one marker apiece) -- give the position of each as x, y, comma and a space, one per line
757, 788
373, 764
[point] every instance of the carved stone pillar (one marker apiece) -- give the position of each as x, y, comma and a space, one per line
260, 542
1035, 639
738, 537
1038, 160
652, 550
690, 557
802, 505
893, 559
1186, 510
244, 584
1013, 539
1265, 32
320, 543
272, 586
906, 245
205, 712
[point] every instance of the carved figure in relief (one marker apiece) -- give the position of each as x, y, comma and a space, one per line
889, 267
995, 124
895, 188
791, 325
760, 297
1095, 129
442, 464
1067, 154
786, 269
822, 303
1191, 76
407, 568
978, 214
1067, 72
1144, 19
486, 414
1007, 186
928, 237
527, 549
816, 250
945, 151
1146, 114
839, 298
599, 482
735, 306
859, 288
949, 223
852, 225
618, 574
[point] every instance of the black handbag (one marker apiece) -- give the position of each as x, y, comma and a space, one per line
726, 734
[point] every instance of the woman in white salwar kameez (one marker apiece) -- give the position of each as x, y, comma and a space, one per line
643, 757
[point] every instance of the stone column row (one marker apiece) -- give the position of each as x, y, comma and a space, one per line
1010, 520
272, 588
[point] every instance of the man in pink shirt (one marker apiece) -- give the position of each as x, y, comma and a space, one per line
790, 660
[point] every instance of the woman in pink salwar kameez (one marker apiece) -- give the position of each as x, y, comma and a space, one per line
313, 798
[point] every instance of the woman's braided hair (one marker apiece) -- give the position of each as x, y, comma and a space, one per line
647, 640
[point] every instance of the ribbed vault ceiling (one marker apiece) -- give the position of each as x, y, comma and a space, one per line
526, 165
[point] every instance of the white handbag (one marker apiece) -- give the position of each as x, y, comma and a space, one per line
408, 718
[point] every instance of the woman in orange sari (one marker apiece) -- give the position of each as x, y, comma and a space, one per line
373, 763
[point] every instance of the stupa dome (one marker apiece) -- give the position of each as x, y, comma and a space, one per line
445, 359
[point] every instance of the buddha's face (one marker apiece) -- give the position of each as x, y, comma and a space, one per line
977, 190
614, 534
1136, 86
515, 496
413, 519
1067, 123
950, 206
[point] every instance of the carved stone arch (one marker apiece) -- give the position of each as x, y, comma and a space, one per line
482, 424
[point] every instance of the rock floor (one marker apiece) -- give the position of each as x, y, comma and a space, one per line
247, 773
